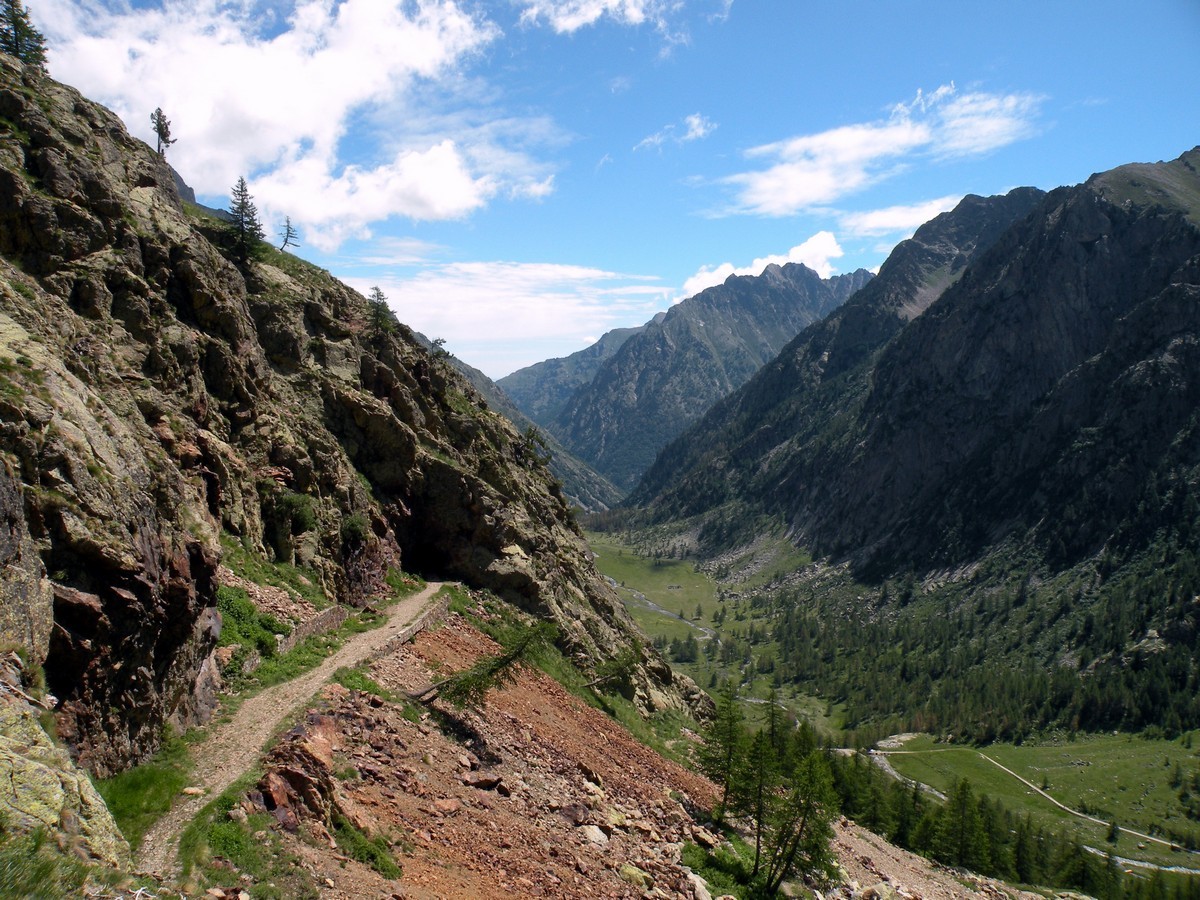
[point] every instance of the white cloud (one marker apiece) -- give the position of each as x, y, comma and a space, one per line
400, 251
896, 219
818, 169
816, 253
979, 123
566, 16
814, 170
286, 101
501, 316
433, 184
654, 141
696, 127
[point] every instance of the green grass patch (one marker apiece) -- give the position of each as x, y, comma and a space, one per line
294, 579
403, 584
32, 866
672, 584
372, 851
357, 679
306, 655
139, 797
247, 628
215, 850
1142, 785
459, 599
726, 871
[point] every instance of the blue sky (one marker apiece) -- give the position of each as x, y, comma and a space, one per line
520, 176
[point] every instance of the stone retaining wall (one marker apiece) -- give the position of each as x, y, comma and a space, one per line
325, 620
430, 616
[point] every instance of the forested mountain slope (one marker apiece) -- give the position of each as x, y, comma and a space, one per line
1010, 477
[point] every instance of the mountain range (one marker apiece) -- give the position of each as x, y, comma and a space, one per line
666, 374
986, 457
1016, 359
990, 455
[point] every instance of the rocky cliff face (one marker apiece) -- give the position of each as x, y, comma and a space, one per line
153, 396
667, 376
583, 486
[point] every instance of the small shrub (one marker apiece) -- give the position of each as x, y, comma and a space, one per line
297, 510
355, 529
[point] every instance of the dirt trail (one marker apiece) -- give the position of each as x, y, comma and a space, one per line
233, 747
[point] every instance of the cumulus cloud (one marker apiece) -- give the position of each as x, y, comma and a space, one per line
817, 253
278, 98
815, 170
896, 219
501, 316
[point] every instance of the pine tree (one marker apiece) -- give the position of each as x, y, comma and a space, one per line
289, 235
18, 37
960, 838
470, 686
245, 230
754, 788
382, 319
800, 826
724, 740
162, 129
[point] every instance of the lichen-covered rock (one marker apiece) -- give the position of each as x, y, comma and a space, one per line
26, 613
53, 794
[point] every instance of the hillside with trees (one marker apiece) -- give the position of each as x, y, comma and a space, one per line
999, 491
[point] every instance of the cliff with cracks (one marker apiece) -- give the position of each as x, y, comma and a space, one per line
154, 396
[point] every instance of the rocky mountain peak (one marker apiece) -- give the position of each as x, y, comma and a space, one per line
667, 375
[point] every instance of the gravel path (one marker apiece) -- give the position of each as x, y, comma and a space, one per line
233, 747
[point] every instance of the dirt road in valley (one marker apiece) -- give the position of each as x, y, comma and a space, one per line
232, 747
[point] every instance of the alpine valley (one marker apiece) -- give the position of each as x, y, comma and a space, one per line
295, 604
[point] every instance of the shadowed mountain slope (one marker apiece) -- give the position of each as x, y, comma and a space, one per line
668, 375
